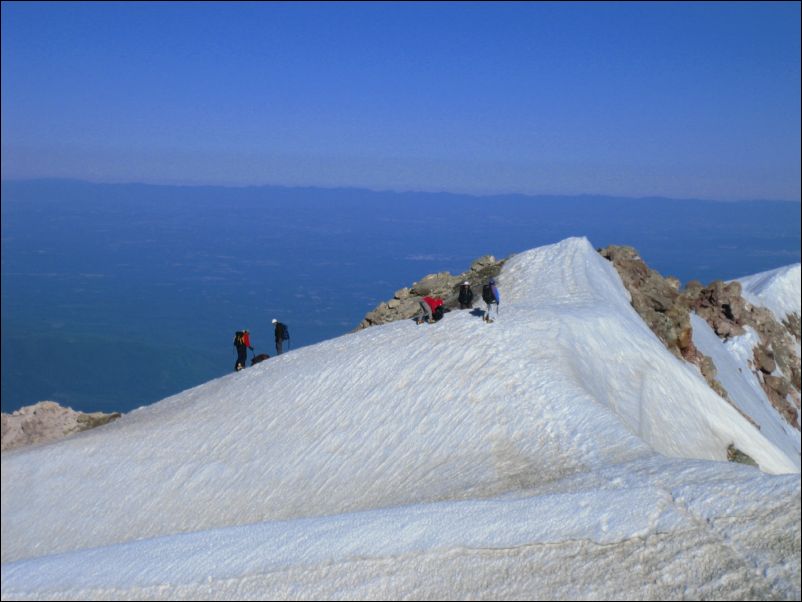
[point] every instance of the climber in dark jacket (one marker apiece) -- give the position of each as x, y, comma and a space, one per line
491, 297
465, 296
281, 336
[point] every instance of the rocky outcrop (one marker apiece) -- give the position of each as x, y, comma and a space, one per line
792, 325
736, 455
775, 361
663, 307
406, 301
720, 304
47, 421
666, 309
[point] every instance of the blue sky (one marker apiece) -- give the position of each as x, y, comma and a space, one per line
695, 100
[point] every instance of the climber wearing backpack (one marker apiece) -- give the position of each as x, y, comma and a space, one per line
242, 341
465, 296
429, 305
490, 296
282, 334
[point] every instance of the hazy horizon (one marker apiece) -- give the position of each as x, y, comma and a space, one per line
533, 196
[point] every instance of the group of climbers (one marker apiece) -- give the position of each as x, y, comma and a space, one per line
431, 308
431, 311
242, 342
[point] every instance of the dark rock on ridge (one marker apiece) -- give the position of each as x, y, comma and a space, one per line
405, 303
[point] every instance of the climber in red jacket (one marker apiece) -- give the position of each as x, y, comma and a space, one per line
428, 306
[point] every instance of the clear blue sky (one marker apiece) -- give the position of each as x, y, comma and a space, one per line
683, 100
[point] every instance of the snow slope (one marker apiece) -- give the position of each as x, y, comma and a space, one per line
539, 455
650, 529
778, 290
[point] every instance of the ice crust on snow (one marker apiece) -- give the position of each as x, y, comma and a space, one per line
410, 460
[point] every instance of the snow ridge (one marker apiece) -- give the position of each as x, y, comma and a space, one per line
412, 460
779, 290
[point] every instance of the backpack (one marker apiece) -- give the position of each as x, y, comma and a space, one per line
487, 294
238, 342
285, 332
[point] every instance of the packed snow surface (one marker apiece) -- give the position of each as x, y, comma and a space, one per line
559, 452
778, 290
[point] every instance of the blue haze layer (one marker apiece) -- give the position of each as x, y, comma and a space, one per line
688, 99
118, 295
